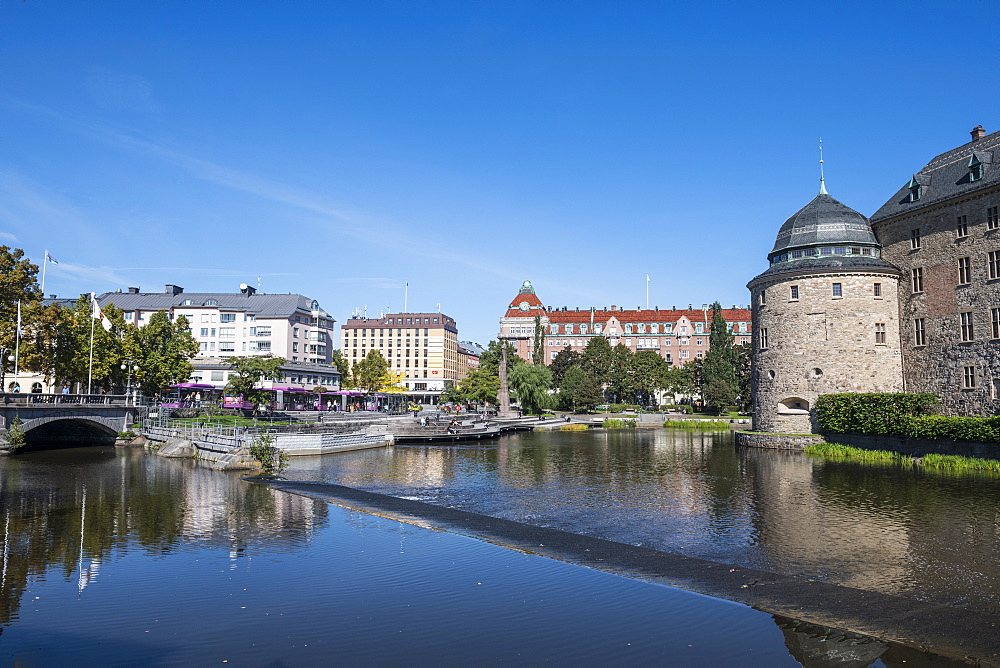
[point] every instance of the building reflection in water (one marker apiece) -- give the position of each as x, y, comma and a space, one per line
67, 511
895, 530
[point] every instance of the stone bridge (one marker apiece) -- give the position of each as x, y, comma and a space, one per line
67, 419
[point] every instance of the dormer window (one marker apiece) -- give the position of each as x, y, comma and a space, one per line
187, 302
211, 302
975, 168
915, 190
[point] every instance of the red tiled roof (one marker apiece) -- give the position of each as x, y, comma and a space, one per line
646, 315
535, 304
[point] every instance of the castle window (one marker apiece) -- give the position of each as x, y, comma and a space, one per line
975, 168
797, 253
809, 252
763, 297
866, 251
967, 330
877, 289
969, 378
915, 190
917, 279
795, 291
994, 264
915, 239
919, 335
840, 251
763, 338
964, 271
837, 290
992, 218
826, 251
962, 227
880, 333
855, 251
793, 406
995, 323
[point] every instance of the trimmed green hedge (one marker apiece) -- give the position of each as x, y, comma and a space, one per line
900, 414
881, 414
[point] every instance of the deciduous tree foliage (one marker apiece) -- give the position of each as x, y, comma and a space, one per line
369, 374
565, 359
538, 353
247, 372
580, 391
161, 349
530, 383
17, 283
338, 360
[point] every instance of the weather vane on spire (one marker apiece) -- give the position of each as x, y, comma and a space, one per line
822, 181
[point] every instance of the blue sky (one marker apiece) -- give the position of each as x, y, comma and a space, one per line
342, 149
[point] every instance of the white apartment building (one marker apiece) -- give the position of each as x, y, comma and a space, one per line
243, 324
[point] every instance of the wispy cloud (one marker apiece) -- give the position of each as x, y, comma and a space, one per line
88, 275
367, 228
120, 92
8, 236
372, 281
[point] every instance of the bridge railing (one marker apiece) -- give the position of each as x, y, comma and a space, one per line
19, 399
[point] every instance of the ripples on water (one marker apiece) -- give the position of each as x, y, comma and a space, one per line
924, 535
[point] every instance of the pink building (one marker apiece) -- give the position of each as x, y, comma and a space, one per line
678, 335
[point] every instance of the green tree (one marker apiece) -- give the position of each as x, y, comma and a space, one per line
479, 386
490, 359
580, 391
743, 369
247, 372
620, 379
720, 364
17, 284
162, 350
71, 360
531, 384
565, 359
538, 353
338, 360
650, 374
370, 373
597, 360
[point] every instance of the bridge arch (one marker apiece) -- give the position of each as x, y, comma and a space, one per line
46, 432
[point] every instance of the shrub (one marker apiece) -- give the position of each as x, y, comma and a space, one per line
271, 458
618, 408
573, 427
126, 435
871, 413
15, 434
615, 423
900, 414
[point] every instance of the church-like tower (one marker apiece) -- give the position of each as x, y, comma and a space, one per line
825, 317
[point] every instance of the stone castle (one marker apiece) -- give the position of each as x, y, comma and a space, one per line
908, 300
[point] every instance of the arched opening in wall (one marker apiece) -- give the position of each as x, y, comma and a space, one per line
36, 388
793, 406
68, 433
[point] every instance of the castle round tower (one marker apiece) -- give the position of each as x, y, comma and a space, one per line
825, 317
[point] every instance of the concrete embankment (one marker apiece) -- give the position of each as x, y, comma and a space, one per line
951, 631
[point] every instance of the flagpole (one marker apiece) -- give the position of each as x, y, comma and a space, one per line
45, 261
90, 372
647, 292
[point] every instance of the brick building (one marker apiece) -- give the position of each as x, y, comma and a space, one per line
678, 335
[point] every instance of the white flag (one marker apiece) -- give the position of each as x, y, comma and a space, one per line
19, 319
105, 323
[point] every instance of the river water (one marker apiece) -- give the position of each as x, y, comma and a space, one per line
116, 557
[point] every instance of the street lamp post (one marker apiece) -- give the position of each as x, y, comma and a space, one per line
129, 366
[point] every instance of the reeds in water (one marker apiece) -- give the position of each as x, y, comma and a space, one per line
959, 463
615, 423
697, 425
839, 451
574, 427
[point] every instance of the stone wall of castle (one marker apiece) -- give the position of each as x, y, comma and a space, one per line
820, 343
939, 362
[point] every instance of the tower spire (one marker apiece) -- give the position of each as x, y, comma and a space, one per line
822, 181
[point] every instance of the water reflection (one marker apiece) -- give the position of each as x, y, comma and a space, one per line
67, 512
901, 532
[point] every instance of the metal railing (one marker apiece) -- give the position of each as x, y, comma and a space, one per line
17, 398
